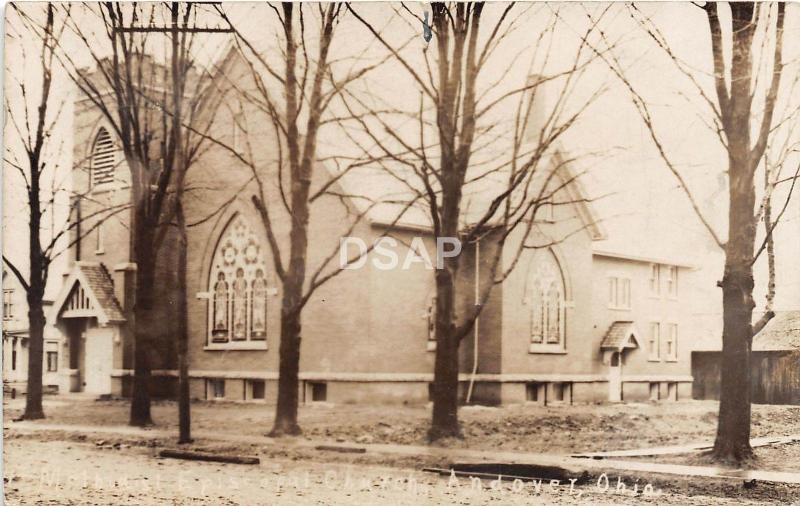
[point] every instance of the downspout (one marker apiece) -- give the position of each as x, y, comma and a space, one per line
475, 323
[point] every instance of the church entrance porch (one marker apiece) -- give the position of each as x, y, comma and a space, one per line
90, 316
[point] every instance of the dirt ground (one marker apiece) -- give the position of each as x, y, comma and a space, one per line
528, 427
70, 473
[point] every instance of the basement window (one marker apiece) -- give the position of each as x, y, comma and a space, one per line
215, 388
256, 390
558, 392
562, 392
654, 391
534, 392
319, 392
672, 391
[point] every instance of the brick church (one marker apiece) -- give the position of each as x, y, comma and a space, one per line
573, 323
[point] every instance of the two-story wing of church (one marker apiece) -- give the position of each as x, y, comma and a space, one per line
571, 323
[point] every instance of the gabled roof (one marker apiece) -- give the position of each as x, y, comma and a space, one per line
383, 197
781, 333
391, 195
620, 335
92, 286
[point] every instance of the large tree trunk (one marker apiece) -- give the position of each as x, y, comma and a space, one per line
733, 430
142, 326
732, 443
445, 374
36, 322
35, 291
444, 422
288, 375
289, 353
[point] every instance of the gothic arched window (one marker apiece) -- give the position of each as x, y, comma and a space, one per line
546, 295
103, 158
238, 286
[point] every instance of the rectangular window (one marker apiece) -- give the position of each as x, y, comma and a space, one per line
52, 361
612, 291
655, 281
671, 342
8, 304
215, 388
672, 281
625, 293
99, 247
619, 293
430, 317
14, 354
654, 342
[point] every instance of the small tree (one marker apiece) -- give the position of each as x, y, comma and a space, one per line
33, 146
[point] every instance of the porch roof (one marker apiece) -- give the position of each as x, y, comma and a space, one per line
88, 291
620, 335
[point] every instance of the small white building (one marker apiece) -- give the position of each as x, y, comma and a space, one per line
16, 342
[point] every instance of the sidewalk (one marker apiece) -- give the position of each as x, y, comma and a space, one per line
594, 466
678, 449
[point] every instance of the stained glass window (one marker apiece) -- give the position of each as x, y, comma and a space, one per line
546, 298
238, 286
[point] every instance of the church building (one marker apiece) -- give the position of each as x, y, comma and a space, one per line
574, 322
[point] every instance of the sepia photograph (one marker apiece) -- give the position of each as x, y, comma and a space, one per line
401, 253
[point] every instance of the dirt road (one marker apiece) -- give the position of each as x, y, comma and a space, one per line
69, 473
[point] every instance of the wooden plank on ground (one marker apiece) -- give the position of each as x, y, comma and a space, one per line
208, 457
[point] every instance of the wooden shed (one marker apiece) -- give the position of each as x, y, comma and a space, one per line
774, 364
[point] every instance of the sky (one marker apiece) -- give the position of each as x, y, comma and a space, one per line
642, 208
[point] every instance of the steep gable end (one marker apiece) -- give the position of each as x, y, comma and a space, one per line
88, 292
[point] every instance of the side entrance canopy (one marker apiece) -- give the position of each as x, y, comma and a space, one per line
619, 337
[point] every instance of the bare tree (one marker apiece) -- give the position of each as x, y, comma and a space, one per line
33, 114
746, 48
307, 85
451, 151
160, 114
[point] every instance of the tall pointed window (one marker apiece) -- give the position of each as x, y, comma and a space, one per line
103, 158
547, 305
238, 286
